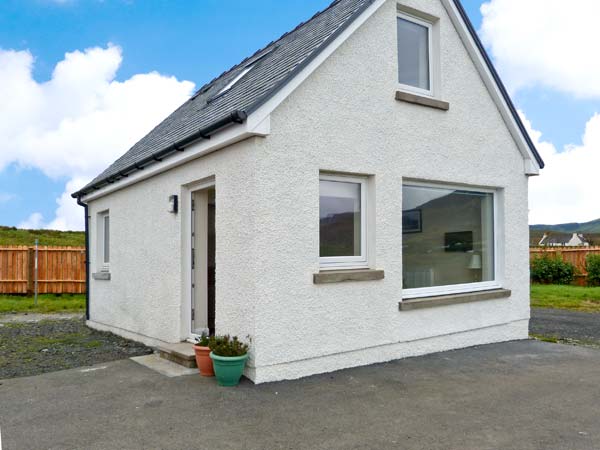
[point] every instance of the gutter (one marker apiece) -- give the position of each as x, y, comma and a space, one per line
236, 116
87, 259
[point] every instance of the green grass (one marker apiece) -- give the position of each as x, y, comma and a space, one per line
16, 236
47, 303
575, 298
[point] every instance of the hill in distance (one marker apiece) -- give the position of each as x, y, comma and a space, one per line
591, 231
574, 227
16, 236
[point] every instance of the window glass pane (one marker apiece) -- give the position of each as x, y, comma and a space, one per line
413, 54
339, 216
448, 236
106, 239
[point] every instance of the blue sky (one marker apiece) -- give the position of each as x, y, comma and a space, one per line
192, 41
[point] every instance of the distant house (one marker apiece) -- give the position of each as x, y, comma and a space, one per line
563, 240
354, 192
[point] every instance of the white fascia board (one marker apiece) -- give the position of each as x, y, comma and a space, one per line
267, 108
227, 136
531, 166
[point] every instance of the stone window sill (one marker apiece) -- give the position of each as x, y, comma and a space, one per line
422, 100
339, 276
453, 299
101, 276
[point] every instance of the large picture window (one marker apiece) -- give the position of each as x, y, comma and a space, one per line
448, 240
342, 224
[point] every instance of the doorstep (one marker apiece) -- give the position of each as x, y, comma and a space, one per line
163, 366
181, 353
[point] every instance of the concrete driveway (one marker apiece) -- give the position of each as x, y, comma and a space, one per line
518, 395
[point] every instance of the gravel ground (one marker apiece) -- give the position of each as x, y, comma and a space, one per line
37, 317
568, 326
49, 345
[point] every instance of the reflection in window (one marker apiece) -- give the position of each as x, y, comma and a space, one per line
448, 236
413, 54
340, 218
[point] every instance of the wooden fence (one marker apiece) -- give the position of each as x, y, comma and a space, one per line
574, 255
61, 270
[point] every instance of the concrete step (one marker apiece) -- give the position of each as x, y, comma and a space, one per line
163, 366
181, 353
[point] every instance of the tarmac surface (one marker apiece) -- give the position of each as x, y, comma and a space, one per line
516, 395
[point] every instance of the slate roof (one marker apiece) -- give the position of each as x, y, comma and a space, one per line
272, 67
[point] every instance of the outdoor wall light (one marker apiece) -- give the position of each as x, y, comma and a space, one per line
173, 204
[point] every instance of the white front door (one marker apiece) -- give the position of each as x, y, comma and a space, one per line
203, 261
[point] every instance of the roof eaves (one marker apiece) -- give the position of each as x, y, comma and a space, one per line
253, 107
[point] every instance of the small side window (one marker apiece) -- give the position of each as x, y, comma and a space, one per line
106, 246
342, 221
103, 247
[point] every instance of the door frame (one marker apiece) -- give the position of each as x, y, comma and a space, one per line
186, 252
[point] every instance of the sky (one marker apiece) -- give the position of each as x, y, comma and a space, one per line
73, 72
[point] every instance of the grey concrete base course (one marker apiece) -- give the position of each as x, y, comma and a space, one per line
522, 395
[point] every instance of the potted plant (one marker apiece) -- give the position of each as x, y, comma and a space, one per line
202, 350
229, 356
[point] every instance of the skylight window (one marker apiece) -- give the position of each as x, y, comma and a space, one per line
235, 80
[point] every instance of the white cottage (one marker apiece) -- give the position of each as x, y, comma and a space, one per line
354, 192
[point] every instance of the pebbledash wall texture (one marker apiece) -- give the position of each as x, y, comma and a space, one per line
343, 118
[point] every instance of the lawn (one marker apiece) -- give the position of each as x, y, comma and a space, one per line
47, 303
576, 298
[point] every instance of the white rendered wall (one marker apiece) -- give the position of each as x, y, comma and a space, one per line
345, 118
147, 297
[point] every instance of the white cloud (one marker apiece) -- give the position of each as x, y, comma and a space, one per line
551, 43
81, 120
567, 189
33, 222
6, 197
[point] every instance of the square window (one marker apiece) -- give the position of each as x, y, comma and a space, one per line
414, 53
342, 221
448, 239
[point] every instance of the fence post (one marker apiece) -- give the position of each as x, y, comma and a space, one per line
30, 275
36, 274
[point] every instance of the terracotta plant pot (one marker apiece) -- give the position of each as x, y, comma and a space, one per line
229, 369
205, 364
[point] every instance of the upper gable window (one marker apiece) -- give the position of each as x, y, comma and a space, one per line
414, 53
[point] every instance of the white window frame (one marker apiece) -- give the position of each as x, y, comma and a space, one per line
103, 265
348, 262
407, 87
496, 283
